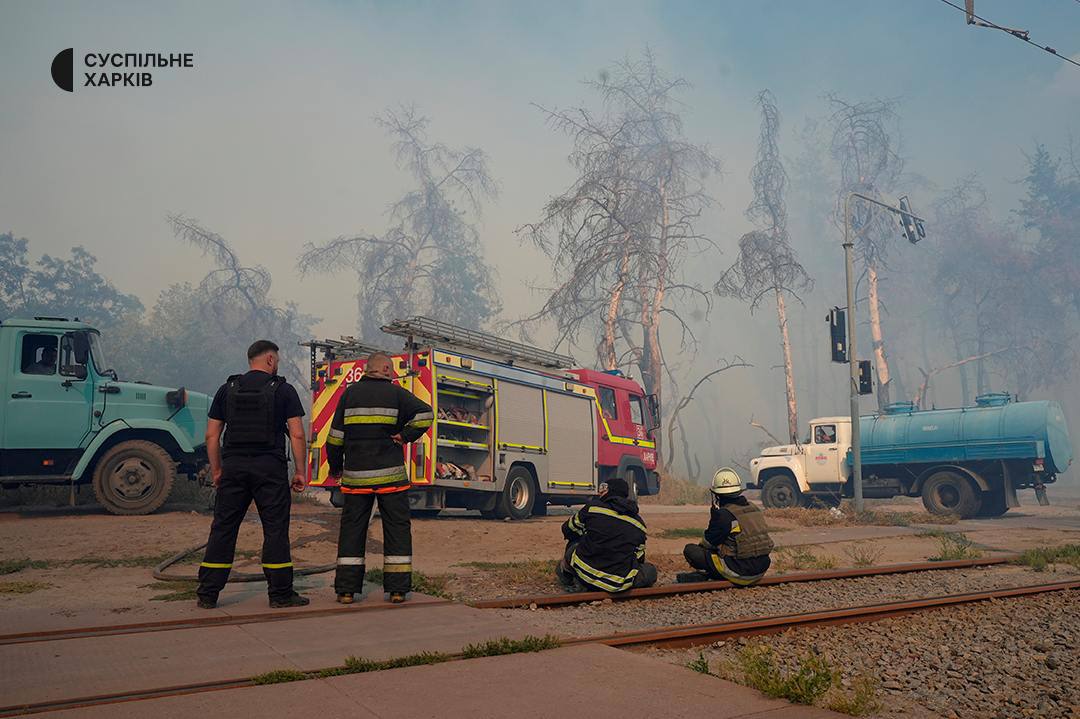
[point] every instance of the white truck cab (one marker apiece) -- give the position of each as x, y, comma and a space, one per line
809, 472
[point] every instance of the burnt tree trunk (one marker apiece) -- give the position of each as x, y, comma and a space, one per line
789, 369
878, 338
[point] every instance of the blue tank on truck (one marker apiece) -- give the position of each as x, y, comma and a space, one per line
970, 460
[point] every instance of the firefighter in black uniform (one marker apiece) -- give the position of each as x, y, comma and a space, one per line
374, 418
256, 410
606, 544
736, 544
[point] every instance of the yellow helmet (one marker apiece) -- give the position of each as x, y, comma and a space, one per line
726, 481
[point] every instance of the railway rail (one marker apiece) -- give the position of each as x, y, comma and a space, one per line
668, 637
546, 601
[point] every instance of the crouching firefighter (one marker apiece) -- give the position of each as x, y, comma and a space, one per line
736, 544
256, 410
605, 547
373, 420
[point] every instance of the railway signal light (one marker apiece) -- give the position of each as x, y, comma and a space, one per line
866, 381
913, 228
837, 320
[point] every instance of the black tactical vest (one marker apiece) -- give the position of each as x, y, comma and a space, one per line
249, 416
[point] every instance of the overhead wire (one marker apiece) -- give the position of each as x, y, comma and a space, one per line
1015, 33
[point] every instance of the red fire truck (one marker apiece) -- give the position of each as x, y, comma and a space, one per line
516, 429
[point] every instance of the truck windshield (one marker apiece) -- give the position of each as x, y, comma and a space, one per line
97, 351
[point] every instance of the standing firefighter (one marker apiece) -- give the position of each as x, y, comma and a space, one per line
373, 420
606, 544
736, 544
256, 410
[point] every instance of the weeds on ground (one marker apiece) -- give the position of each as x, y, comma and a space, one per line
805, 685
1040, 558
143, 560
530, 571
846, 516
279, 676
22, 587
699, 665
863, 700
952, 545
354, 665
10, 566
503, 645
174, 591
864, 554
788, 558
435, 585
682, 533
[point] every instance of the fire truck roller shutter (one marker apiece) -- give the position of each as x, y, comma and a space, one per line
571, 445
521, 416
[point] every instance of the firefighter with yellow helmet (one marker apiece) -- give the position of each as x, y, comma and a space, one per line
736, 544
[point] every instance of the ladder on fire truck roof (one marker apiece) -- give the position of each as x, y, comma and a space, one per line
444, 333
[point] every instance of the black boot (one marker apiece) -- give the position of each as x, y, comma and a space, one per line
292, 601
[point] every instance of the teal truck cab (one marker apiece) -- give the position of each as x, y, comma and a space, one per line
67, 419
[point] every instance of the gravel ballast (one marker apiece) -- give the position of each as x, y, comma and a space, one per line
607, 617
1000, 659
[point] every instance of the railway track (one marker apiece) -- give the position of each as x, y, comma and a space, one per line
669, 637
545, 601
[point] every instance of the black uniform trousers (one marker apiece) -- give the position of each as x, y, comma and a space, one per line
709, 561
266, 480
572, 581
397, 542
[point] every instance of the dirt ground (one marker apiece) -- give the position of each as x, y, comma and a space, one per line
61, 558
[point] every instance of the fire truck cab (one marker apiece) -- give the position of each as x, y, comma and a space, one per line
515, 428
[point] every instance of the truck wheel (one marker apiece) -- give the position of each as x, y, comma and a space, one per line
134, 477
518, 496
993, 504
781, 492
950, 493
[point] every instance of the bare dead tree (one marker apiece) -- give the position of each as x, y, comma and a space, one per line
673, 420
429, 261
236, 297
767, 264
920, 394
864, 144
618, 236
759, 425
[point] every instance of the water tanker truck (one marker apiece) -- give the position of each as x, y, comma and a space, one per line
968, 461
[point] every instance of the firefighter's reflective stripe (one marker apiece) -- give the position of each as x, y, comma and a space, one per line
640, 553
336, 436
397, 563
280, 565
379, 490
371, 411
368, 477
576, 525
735, 528
728, 574
421, 420
370, 419
350, 561
216, 565
613, 513
608, 582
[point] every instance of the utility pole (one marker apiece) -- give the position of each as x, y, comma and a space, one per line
913, 230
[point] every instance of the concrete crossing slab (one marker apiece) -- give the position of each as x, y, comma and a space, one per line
592, 679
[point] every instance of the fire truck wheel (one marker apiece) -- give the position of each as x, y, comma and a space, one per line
950, 493
518, 496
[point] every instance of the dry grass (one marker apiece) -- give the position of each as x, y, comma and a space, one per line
677, 491
786, 559
846, 516
529, 572
22, 587
864, 554
952, 545
1040, 558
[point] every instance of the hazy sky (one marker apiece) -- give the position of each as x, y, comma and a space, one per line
269, 140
